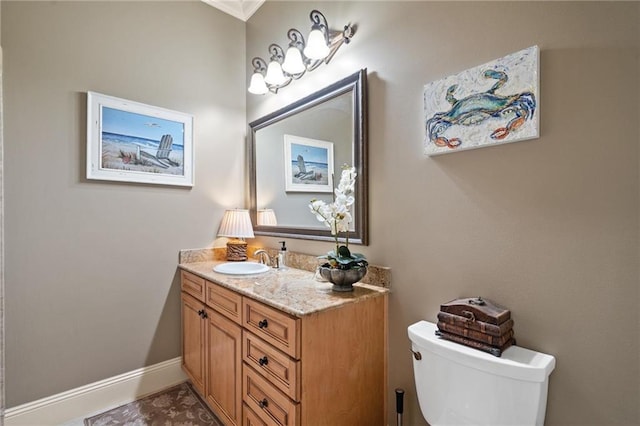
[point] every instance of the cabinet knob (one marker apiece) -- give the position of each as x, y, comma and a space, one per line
264, 403
263, 324
200, 312
263, 360
204, 314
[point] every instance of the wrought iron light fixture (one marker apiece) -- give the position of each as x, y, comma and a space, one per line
300, 57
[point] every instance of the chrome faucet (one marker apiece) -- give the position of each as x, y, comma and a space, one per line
261, 255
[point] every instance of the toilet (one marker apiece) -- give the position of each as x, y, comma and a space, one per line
458, 385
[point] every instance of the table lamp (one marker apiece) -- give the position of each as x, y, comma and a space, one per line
267, 217
236, 225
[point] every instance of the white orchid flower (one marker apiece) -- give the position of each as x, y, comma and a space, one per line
337, 215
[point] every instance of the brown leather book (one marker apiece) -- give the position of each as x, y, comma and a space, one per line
477, 309
493, 350
476, 335
482, 327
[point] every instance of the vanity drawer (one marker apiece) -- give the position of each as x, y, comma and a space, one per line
278, 368
267, 402
193, 285
273, 326
225, 301
249, 418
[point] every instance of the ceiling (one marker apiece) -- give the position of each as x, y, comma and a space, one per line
241, 9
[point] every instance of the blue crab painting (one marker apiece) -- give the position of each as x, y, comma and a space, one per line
489, 104
479, 107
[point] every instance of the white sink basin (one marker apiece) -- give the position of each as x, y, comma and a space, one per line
241, 268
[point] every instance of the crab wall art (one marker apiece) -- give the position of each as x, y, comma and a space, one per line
486, 105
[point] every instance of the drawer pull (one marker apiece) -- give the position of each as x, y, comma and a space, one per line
263, 324
263, 361
264, 403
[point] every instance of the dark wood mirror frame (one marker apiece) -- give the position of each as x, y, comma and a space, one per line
357, 85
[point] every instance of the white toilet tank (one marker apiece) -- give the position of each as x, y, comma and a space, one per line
458, 385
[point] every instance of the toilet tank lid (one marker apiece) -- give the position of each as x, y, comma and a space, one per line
516, 362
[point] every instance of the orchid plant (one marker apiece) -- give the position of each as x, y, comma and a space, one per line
337, 217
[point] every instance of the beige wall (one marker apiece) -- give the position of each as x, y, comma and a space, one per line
91, 283
547, 227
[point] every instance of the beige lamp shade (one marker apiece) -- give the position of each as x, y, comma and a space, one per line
267, 217
236, 224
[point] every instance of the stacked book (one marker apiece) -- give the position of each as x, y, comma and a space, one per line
478, 323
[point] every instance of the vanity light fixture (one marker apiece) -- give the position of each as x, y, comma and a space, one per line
236, 225
300, 57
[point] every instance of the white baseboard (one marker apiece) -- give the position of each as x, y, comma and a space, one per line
97, 397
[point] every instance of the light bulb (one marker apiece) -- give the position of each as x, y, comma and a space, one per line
293, 62
317, 47
257, 86
274, 75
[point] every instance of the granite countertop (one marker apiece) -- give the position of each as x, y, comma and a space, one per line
291, 290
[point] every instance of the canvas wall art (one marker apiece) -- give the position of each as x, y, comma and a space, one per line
490, 104
308, 164
132, 142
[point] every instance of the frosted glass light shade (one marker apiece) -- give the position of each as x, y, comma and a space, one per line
267, 217
274, 74
257, 86
317, 46
293, 61
236, 223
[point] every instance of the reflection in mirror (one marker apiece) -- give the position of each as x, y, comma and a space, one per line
267, 217
296, 154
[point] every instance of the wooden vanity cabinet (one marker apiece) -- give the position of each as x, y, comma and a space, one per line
212, 345
325, 368
264, 366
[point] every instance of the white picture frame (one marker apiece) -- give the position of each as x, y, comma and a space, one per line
129, 141
308, 164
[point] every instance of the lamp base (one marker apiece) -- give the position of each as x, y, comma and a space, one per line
236, 250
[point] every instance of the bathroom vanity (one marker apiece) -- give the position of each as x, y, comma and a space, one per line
281, 348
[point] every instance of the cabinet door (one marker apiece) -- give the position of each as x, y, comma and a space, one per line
224, 363
193, 341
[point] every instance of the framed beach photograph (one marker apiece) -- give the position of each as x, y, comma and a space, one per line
308, 164
132, 142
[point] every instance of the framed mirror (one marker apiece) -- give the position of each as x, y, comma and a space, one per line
296, 154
